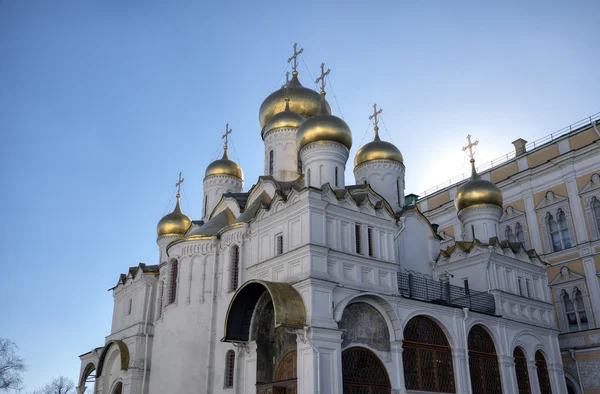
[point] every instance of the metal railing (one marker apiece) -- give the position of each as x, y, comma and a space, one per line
575, 127
419, 287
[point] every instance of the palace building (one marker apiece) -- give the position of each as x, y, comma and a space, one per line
311, 283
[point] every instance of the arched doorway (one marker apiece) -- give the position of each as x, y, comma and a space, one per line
118, 389
483, 362
363, 372
542, 373
521, 371
427, 357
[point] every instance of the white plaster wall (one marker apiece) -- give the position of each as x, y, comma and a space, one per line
214, 188
320, 160
417, 247
386, 177
283, 144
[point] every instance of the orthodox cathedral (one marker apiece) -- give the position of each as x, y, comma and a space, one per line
310, 283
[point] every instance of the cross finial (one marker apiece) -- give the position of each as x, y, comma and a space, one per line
178, 184
226, 135
287, 80
322, 77
295, 57
375, 116
470, 146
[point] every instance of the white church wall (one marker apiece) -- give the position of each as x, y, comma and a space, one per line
285, 155
386, 177
416, 245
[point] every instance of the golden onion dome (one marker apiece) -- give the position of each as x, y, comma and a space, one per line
175, 223
378, 150
477, 192
287, 118
224, 166
303, 101
324, 127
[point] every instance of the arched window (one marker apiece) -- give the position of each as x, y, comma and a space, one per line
508, 233
575, 310
271, 159
299, 164
521, 370
363, 372
483, 363
235, 268
554, 233
229, 368
205, 205
398, 190
596, 212
159, 303
336, 177
542, 373
519, 232
564, 230
173, 282
118, 388
427, 357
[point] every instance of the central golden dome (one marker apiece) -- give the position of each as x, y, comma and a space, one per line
303, 101
175, 223
477, 192
378, 150
224, 166
324, 127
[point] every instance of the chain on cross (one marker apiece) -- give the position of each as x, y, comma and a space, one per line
322, 77
470, 146
375, 116
178, 184
295, 57
226, 135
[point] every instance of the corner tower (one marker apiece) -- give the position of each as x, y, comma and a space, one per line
380, 164
221, 176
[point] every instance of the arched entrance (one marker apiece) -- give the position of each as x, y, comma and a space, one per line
483, 363
542, 373
363, 372
118, 388
521, 371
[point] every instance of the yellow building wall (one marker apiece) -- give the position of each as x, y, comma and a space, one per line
438, 200
543, 155
500, 174
582, 139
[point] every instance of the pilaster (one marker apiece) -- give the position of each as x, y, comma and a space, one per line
577, 211
533, 377
593, 285
508, 374
459, 359
532, 223
397, 378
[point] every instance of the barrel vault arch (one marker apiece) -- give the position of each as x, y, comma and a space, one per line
123, 352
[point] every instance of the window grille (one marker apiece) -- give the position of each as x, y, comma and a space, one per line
229, 368
161, 291
521, 371
542, 373
370, 242
358, 238
363, 372
520, 285
235, 269
299, 164
427, 357
173, 282
596, 211
271, 160
483, 362
279, 244
575, 310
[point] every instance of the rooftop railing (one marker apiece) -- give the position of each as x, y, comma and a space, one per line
573, 128
420, 287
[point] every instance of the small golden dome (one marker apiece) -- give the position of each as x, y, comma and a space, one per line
378, 150
224, 166
303, 101
324, 127
174, 223
287, 118
477, 192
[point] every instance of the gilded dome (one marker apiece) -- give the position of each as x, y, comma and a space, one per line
378, 150
174, 223
324, 127
287, 118
224, 166
303, 101
477, 192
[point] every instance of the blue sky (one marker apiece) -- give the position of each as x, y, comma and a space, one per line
103, 103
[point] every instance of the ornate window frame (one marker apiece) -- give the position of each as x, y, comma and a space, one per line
173, 286
510, 217
234, 267
591, 193
553, 203
569, 281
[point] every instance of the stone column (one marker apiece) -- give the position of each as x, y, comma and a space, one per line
319, 361
461, 374
248, 386
508, 374
534, 382
557, 378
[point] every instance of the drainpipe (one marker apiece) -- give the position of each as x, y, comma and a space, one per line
572, 352
304, 336
147, 336
466, 312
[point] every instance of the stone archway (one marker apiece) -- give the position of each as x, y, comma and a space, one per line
363, 372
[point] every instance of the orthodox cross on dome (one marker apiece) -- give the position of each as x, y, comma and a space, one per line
295, 57
322, 77
178, 184
226, 135
375, 116
470, 146
287, 79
